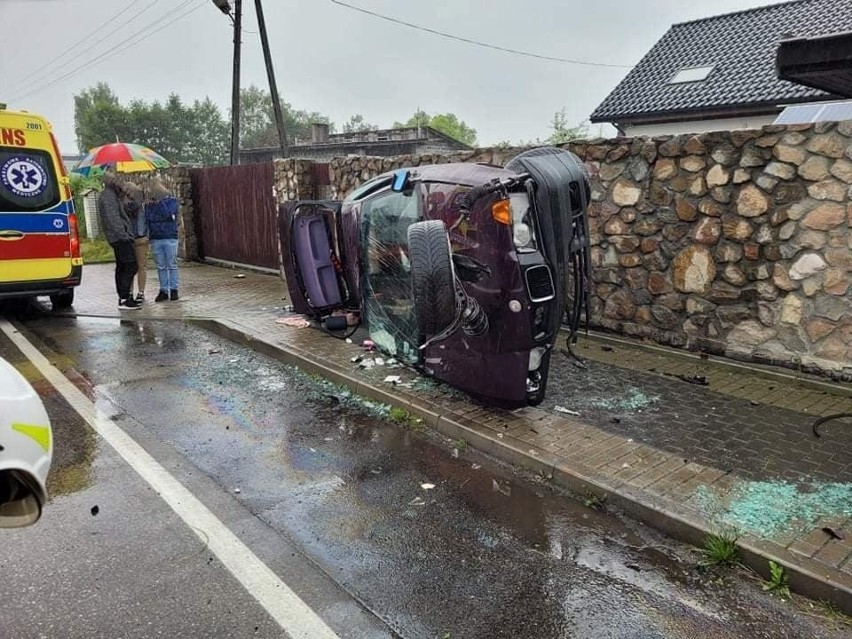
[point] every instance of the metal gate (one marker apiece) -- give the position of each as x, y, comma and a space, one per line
235, 214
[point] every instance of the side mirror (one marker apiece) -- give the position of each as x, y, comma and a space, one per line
400, 181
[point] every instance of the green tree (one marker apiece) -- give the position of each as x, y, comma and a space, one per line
98, 117
257, 120
191, 134
447, 123
356, 124
562, 133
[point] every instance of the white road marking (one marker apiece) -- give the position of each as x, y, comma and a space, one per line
293, 615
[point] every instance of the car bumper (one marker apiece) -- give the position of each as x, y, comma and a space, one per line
48, 287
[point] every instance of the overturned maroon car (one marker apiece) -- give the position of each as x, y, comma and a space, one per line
466, 272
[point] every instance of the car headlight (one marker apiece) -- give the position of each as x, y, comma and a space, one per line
522, 235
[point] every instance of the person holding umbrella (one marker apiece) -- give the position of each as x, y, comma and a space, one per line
120, 232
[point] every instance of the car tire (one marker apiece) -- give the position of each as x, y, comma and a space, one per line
432, 280
62, 300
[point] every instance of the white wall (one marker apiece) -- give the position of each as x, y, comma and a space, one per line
699, 126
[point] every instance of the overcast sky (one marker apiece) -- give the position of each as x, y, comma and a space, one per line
337, 61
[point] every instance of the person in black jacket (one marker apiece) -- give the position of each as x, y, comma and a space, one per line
120, 233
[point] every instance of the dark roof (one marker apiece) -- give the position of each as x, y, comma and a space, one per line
821, 62
741, 48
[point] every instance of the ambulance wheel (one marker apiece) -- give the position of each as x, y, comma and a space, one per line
62, 300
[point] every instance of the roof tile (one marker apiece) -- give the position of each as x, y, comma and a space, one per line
740, 46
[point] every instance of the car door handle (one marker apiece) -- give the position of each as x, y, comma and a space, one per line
11, 235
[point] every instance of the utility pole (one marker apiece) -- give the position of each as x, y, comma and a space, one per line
270, 73
235, 89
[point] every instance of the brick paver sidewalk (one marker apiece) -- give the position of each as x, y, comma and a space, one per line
734, 450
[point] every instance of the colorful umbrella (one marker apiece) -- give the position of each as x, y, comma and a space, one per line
123, 157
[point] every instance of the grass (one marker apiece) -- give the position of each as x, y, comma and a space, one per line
779, 581
461, 444
405, 418
593, 501
96, 251
721, 550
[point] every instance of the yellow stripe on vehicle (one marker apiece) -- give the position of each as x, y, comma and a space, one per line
39, 434
29, 270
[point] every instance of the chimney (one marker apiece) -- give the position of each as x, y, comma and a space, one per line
319, 133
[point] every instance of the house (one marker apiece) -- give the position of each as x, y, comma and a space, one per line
323, 146
720, 73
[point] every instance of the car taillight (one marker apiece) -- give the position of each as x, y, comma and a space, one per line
75, 235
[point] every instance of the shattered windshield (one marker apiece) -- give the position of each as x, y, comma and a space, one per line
388, 303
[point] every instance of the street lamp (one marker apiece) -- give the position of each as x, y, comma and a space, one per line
224, 6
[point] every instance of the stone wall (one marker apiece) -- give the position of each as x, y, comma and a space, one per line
292, 180
735, 243
178, 181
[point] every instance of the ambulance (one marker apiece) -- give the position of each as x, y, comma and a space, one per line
39, 240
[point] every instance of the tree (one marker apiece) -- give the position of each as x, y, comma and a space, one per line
562, 133
356, 124
98, 117
447, 123
192, 134
257, 120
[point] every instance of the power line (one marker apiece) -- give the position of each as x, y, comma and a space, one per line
113, 51
68, 52
480, 44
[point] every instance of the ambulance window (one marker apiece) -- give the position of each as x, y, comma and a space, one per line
27, 180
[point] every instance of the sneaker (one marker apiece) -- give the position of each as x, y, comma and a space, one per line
140, 297
129, 305
174, 295
162, 296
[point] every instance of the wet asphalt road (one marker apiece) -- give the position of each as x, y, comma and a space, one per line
327, 493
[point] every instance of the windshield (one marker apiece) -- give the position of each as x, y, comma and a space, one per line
27, 180
384, 239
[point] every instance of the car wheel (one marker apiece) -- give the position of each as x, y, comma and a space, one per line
62, 300
432, 280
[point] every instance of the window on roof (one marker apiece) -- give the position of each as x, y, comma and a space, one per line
691, 74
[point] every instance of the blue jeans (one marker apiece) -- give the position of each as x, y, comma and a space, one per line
165, 257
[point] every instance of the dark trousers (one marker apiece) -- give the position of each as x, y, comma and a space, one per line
125, 267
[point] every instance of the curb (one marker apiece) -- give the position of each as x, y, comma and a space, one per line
806, 576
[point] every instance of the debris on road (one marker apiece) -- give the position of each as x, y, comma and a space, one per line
297, 322
427, 486
369, 345
567, 411
239, 276
392, 379
825, 419
607, 348
95, 510
417, 501
834, 533
699, 380
214, 351
503, 490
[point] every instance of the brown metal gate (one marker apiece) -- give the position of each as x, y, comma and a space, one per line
235, 214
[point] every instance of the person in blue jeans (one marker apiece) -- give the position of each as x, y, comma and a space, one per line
161, 213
